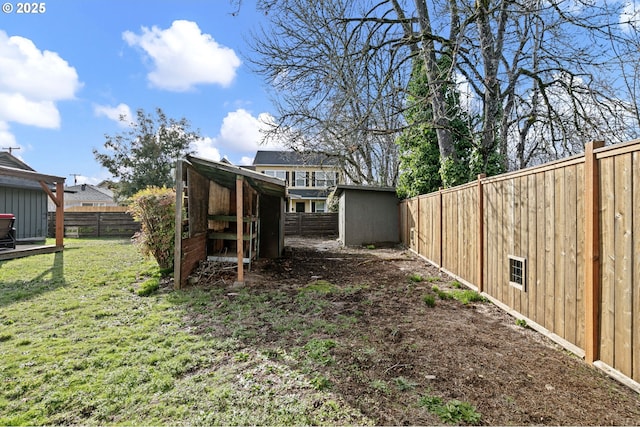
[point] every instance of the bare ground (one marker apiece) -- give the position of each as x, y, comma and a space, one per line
473, 353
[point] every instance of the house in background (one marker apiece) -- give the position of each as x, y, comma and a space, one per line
81, 196
309, 177
25, 198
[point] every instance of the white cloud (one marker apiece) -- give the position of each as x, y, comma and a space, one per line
32, 81
239, 137
205, 148
243, 132
630, 16
117, 113
184, 57
6, 138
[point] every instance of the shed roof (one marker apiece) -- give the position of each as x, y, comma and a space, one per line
343, 187
293, 158
225, 174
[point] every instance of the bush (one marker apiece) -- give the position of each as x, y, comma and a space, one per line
155, 208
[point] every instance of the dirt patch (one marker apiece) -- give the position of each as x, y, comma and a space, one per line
393, 350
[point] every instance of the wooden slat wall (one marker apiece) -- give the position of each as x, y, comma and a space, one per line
538, 214
311, 224
97, 224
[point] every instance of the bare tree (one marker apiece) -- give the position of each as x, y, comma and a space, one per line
535, 72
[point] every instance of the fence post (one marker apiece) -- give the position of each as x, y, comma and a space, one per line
440, 256
592, 251
480, 261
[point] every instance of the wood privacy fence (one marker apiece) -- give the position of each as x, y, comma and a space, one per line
311, 224
96, 224
574, 228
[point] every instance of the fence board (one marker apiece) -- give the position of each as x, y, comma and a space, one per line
549, 206
580, 256
636, 265
524, 240
311, 224
532, 259
623, 267
559, 251
607, 260
568, 282
97, 224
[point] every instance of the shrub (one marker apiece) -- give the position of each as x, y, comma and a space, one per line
155, 208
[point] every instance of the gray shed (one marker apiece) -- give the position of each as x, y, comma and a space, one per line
367, 215
23, 197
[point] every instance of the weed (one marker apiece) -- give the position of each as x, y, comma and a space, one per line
432, 279
320, 382
430, 300
441, 294
416, 277
322, 287
318, 351
404, 384
380, 385
241, 356
521, 322
467, 296
371, 246
5, 337
456, 284
451, 412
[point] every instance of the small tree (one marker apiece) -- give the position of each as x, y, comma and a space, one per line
145, 154
155, 208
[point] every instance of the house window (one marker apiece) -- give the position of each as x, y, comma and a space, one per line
301, 179
517, 272
277, 174
319, 206
325, 179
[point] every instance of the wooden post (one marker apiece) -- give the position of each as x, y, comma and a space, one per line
439, 219
592, 252
60, 214
480, 261
239, 227
177, 254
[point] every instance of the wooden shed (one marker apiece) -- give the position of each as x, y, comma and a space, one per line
225, 213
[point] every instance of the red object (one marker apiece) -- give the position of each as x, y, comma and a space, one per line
7, 216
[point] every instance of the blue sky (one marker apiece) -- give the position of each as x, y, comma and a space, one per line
68, 73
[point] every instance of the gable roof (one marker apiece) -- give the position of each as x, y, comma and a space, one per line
86, 192
293, 158
9, 160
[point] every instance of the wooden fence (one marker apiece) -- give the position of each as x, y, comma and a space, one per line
96, 224
311, 224
574, 227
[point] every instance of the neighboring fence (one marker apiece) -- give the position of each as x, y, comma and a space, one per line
311, 224
96, 224
573, 225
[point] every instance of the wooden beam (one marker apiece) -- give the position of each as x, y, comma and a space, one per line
480, 259
177, 254
592, 252
52, 196
239, 227
60, 213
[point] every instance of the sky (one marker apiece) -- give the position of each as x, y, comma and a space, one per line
68, 72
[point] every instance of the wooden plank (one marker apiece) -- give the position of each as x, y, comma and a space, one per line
532, 242
636, 266
239, 227
501, 231
570, 265
592, 267
559, 251
623, 265
607, 292
580, 257
524, 241
541, 266
549, 250
480, 247
513, 247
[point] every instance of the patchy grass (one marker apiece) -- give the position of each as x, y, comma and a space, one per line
452, 411
80, 345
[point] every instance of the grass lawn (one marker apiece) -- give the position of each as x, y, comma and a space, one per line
79, 345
